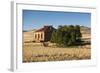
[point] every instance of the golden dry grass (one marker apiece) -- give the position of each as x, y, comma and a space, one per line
38, 53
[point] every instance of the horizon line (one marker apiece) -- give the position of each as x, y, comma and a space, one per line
53, 26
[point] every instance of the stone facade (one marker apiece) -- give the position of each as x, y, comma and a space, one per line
43, 34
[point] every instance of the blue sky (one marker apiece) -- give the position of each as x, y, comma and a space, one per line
33, 19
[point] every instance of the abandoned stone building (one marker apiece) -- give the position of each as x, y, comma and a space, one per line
43, 34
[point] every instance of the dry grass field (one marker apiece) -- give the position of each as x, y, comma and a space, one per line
36, 52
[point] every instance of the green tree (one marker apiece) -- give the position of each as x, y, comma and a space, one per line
78, 33
54, 37
66, 35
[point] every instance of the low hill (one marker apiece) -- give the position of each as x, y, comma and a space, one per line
28, 35
86, 33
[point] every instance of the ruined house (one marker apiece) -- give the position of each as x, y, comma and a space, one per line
43, 34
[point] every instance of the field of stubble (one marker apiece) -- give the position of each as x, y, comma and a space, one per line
38, 53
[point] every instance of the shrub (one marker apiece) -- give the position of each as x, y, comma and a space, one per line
66, 35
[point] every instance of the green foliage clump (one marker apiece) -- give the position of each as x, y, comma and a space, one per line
66, 35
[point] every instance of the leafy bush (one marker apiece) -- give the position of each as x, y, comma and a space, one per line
66, 35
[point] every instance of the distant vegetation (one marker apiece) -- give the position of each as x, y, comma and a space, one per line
25, 31
66, 36
29, 30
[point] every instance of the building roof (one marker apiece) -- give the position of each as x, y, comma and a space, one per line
45, 29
